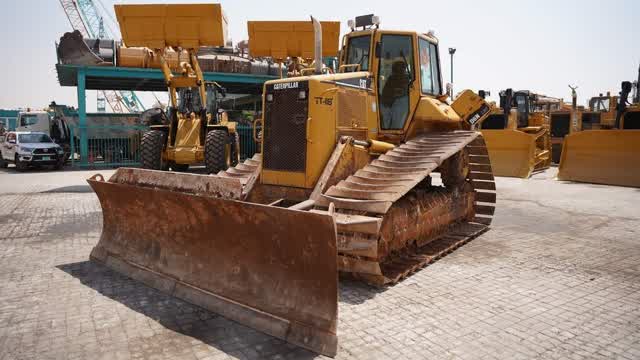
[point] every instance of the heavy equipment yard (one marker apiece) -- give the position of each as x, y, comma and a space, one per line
556, 277
313, 191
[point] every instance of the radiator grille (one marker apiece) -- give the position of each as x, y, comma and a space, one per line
285, 128
632, 120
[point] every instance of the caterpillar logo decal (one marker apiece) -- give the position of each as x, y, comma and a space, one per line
283, 86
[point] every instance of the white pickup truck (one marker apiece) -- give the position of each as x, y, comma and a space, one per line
30, 148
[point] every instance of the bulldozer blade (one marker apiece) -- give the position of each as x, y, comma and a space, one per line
74, 51
602, 157
272, 269
512, 152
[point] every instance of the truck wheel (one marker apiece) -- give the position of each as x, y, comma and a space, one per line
179, 167
215, 151
20, 166
235, 149
59, 165
3, 163
151, 147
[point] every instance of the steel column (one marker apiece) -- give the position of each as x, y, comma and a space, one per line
82, 116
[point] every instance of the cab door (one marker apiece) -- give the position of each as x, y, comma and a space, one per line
397, 89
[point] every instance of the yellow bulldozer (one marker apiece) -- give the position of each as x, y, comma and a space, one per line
517, 134
192, 131
604, 147
368, 171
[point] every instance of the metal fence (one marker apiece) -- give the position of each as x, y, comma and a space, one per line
119, 145
248, 147
107, 145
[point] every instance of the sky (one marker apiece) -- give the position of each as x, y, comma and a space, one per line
541, 46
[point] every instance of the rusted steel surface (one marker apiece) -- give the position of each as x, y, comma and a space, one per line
270, 268
188, 183
420, 223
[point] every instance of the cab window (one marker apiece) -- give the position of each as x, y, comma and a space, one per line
395, 76
358, 52
429, 70
26, 120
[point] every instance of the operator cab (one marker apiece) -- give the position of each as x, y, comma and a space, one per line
401, 74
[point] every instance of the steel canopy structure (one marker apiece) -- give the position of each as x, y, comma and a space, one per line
133, 79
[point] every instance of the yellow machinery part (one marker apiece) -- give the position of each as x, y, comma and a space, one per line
601, 157
280, 39
512, 152
158, 26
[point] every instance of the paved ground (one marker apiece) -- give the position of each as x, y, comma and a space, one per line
557, 277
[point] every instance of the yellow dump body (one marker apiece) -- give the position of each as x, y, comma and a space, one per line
601, 157
280, 39
172, 25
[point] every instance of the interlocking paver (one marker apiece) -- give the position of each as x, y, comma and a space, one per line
556, 277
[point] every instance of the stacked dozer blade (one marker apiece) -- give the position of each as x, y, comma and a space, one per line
518, 139
608, 155
513, 152
270, 268
602, 157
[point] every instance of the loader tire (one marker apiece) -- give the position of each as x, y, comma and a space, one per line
455, 170
20, 165
152, 145
215, 153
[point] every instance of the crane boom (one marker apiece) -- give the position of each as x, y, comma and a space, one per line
84, 17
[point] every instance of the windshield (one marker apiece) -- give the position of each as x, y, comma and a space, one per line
358, 52
33, 138
26, 120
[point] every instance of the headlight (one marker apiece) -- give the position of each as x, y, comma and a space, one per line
59, 150
23, 149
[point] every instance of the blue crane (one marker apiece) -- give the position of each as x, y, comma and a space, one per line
85, 17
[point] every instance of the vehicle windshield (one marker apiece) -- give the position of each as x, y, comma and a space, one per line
33, 138
358, 52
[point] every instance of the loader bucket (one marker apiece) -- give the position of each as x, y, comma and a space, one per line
512, 152
601, 157
157, 26
273, 269
280, 39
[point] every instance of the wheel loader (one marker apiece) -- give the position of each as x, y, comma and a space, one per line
369, 172
604, 150
517, 134
192, 131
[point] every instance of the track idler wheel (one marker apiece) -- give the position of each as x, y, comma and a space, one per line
454, 171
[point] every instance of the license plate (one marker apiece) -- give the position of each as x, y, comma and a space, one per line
46, 158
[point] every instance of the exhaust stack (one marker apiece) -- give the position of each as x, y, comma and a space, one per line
317, 38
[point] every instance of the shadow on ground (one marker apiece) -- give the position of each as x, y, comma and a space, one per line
179, 316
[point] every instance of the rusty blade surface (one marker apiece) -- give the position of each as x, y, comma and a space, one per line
273, 269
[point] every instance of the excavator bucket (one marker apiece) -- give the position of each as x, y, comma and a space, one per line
601, 157
280, 39
73, 49
270, 268
512, 152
